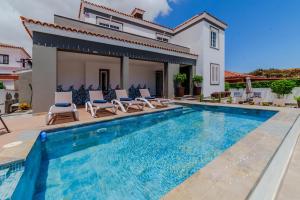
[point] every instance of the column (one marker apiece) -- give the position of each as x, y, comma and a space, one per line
124, 73
44, 80
170, 70
192, 73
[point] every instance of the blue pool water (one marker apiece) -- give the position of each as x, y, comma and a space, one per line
140, 157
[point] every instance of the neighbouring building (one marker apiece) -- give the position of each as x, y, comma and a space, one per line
110, 48
234, 77
13, 59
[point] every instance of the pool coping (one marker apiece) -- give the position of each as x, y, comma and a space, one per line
240, 170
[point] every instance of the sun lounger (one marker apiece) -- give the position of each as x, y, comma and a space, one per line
124, 102
63, 105
145, 94
97, 102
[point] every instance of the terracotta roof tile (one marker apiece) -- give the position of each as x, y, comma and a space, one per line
229, 74
14, 47
27, 20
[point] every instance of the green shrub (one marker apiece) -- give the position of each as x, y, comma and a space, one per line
237, 85
282, 87
180, 78
1, 85
227, 86
197, 79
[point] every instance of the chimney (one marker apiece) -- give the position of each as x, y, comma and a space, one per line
138, 13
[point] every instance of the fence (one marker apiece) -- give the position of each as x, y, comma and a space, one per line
268, 96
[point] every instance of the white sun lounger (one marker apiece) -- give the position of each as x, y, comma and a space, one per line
124, 105
145, 94
63, 104
93, 106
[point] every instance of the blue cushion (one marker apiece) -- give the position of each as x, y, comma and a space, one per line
62, 104
125, 99
100, 101
149, 97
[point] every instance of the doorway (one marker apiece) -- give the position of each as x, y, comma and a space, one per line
159, 81
104, 79
187, 86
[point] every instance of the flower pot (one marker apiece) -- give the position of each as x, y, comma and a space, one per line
180, 91
298, 102
197, 91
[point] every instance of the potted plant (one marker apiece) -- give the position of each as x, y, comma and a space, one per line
282, 88
179, 79
197, 80
297, 98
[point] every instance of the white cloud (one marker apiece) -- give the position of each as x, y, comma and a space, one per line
12, 30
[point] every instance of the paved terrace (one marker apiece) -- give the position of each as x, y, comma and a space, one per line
232, 175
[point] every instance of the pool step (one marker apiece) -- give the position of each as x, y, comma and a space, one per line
187, 110
3, 174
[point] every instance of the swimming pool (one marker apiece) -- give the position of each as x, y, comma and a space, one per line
141, 157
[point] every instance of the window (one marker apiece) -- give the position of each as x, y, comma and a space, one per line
162, 39
214, 74
104, 79
4, 59
109, 23
214, 37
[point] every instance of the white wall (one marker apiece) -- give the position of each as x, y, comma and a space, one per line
82, 69
143, 73
14, 56
9, 84
197, 38
130, 28
268, 96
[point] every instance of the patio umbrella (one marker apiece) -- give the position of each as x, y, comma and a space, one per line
248, 86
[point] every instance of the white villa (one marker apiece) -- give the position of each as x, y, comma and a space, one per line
107, 47
13, 59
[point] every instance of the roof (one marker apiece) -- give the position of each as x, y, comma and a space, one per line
9, 77
229, 74
14, 47
26, 21
204, 14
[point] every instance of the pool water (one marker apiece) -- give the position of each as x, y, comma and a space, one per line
140, 157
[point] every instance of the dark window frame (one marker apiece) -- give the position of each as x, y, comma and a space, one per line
2, 61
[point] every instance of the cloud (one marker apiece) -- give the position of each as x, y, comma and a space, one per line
12, 30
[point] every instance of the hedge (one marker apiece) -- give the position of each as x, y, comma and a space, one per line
1, 85
260, 84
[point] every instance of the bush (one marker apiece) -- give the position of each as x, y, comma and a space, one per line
220, 94
180, 78
227, 86
237, 85
197, 79
1, 85
283, 87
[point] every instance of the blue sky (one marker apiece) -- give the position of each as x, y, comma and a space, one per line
261, 33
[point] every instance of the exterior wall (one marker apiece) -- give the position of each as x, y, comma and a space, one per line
169, 71
130, 28
139, 31
14, 56
43, 77
22, 85
82, 69
268, 96
143, 73
9, 84
197, 38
